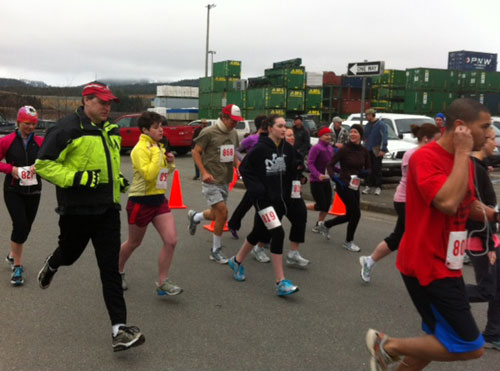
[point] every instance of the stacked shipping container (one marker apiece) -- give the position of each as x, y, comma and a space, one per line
388, 91
217, 90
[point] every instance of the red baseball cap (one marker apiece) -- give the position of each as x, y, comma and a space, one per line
233, 111
101, 91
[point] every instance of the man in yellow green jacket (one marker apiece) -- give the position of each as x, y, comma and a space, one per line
81, 157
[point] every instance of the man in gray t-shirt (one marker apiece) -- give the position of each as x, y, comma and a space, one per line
214, 154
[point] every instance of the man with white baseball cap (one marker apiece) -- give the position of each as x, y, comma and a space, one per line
214, 154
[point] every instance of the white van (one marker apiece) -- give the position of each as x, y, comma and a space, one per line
399, 122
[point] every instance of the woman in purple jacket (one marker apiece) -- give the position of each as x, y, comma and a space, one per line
319, 156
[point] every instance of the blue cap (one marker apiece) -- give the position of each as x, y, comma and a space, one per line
440, 115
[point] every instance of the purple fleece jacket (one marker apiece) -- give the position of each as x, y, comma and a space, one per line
319, 156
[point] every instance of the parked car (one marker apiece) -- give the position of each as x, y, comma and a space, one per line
494, 160
43, 126
399, 122
495, 120
6, 127
177, 138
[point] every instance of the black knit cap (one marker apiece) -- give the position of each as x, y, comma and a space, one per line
359, 128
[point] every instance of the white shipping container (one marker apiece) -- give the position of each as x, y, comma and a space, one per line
314, 79
159, 110
177, 91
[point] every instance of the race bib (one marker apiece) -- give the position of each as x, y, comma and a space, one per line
456, 250
354, 183
227, 153
26, 176
296, 189
161, 181
269, 217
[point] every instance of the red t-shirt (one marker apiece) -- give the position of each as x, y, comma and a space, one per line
422, 252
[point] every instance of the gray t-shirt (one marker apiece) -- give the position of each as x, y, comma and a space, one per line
216, 145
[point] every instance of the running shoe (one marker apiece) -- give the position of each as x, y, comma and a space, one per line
380, 359
377, 191
238, 269
315, 229
192, 224
294, 258
492, 345
17, 276
217, 256
285, 288
10, 260
351, 246
366, 191
324, 231
366, 270
167, 288
234, 233
127, 337
46, 274
124, 282
260, 255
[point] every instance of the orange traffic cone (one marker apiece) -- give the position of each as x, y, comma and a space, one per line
175, 199
235, 179
338, 207
211, 227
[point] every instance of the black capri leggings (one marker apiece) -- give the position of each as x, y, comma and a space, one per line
322, 194
22, 209
353, 212
394, 238
260, 233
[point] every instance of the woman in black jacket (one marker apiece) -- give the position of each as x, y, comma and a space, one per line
354, 162
22, 186
268, 171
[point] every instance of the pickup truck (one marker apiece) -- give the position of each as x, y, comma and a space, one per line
177, 138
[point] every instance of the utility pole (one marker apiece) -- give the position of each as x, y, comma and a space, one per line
209, 6
212, 52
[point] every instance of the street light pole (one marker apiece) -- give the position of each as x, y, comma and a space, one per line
209, 6
212, 52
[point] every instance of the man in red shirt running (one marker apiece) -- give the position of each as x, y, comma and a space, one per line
440, 198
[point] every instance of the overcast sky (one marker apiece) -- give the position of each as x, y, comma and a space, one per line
67, 43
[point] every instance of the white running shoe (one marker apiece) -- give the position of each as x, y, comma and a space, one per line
366, 191
351, 246
294, 258
377, 191
366, 270
260, 255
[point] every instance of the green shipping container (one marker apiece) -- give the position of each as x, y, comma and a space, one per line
314, 98
290, 78
251, 114
266, 98
296, 62
387, 93
217, 100
205, 84
227, 69
481, 81
295, 100
427, 102
208, 113
432, 79
205, 100
390, 77
238, 97
230, 83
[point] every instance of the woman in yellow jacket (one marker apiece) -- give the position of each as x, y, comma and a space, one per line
147, 202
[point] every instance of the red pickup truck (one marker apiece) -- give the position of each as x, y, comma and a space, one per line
177, 138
